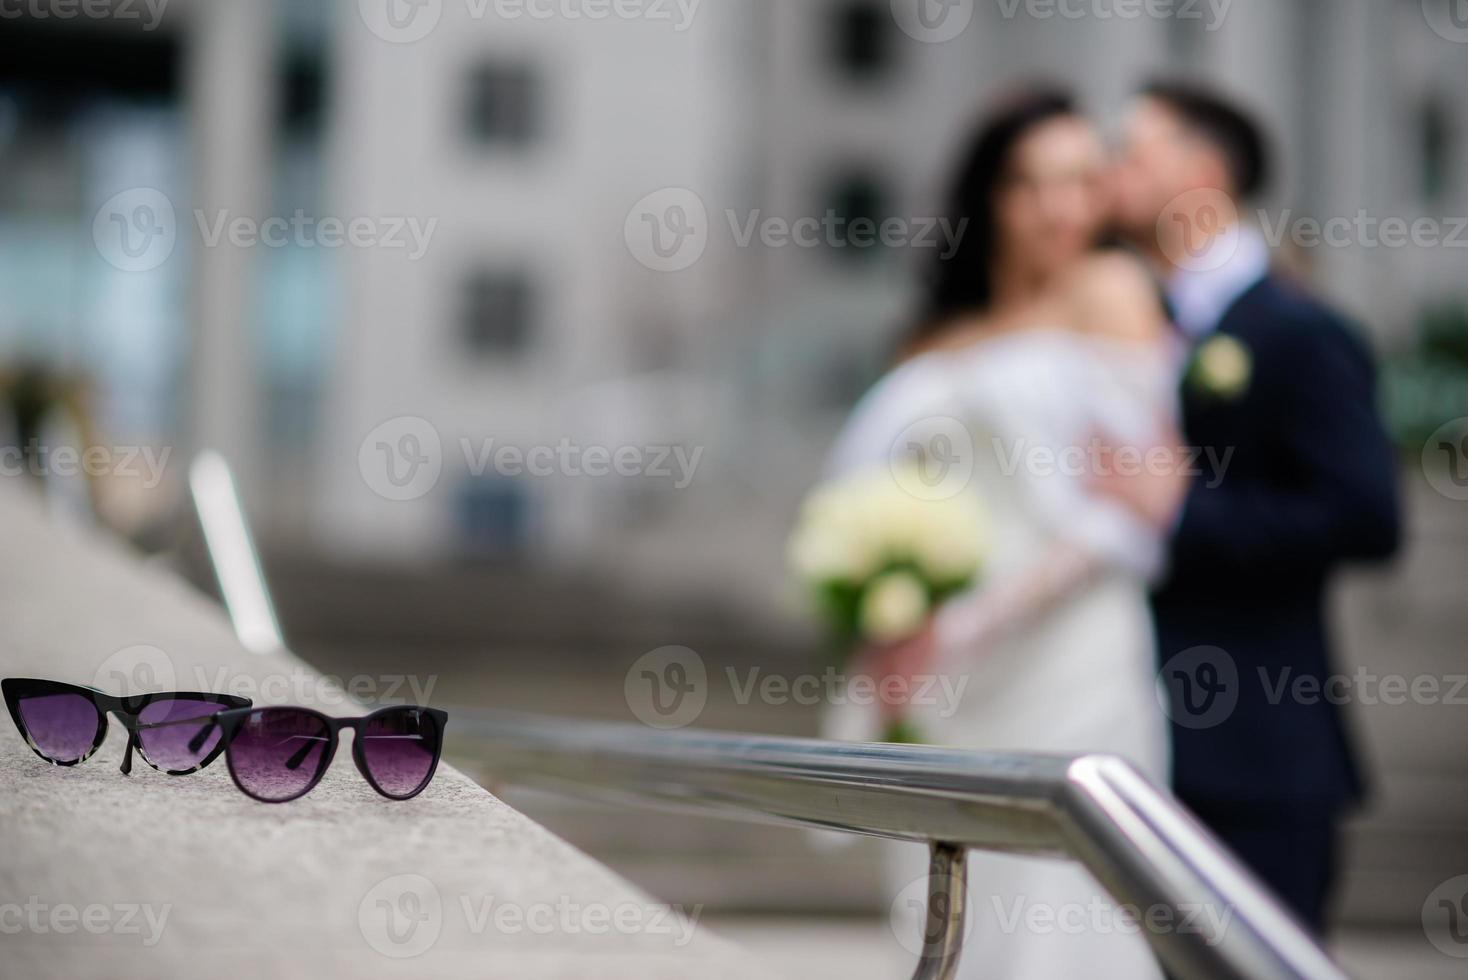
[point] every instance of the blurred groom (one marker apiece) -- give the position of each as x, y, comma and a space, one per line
1280, 386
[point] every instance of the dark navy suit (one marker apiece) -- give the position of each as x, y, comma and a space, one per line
1260, 749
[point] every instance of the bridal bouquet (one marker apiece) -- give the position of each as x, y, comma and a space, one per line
877, 559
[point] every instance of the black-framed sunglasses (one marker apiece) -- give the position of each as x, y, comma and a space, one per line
66, 723
279, 754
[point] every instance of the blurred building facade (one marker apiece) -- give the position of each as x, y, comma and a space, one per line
786, 111
522, 144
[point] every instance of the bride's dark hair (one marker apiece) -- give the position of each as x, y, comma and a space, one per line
962, 282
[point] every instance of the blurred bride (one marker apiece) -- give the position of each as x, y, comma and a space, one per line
1040, 346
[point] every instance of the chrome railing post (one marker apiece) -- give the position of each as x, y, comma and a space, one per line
945, 912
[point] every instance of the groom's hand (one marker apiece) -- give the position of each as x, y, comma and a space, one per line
1154, 488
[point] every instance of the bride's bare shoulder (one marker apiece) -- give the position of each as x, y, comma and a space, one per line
1112, 294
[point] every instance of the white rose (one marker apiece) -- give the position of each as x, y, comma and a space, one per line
951, 541
1223, 367
825, 554
946, 556
893, 608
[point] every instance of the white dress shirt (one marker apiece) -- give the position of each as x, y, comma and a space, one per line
1233, 263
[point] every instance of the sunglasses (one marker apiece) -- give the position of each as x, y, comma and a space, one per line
279, 754
65, 723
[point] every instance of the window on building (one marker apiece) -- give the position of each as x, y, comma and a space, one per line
504, 105
857, 203
491, 517
1434, 141
498, 310
860, 38
1185, 38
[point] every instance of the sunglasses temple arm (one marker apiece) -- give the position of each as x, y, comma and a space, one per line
127, 757
294, 762
197, 742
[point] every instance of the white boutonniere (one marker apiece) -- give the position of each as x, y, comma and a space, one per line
1222, 368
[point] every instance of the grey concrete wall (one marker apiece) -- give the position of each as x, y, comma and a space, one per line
162, 876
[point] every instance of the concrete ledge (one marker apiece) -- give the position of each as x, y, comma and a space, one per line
158, 876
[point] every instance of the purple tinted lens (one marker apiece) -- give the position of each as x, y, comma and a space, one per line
277, 753
182, 722
399, 748
63, 726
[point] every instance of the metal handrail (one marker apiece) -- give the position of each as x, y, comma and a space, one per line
1141, 845
1148, 852
232, 553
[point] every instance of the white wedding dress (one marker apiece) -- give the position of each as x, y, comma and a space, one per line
1077, 677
